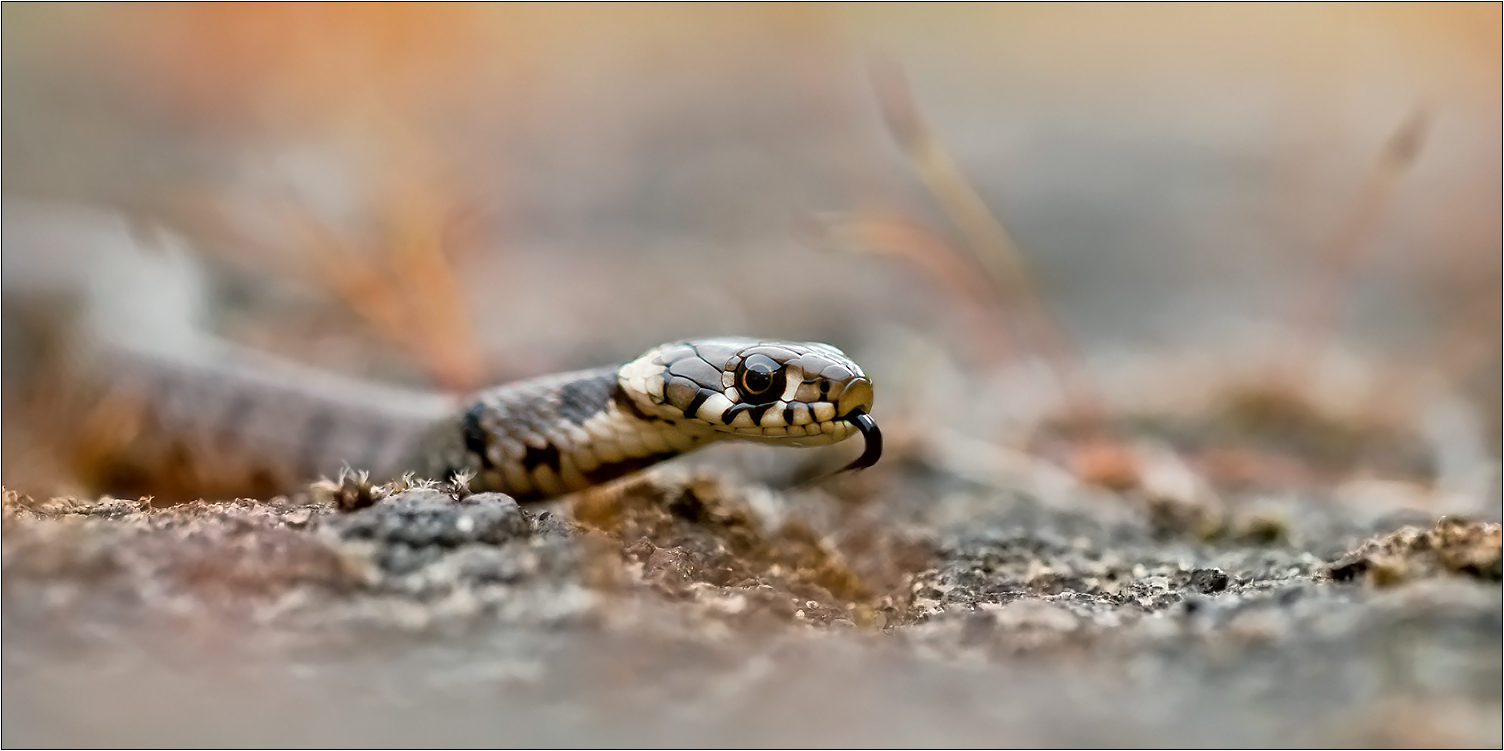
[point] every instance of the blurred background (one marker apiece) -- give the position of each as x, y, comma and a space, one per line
1262, 238
459, 195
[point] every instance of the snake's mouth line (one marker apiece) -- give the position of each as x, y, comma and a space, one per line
836, 430
828, 432
783, 420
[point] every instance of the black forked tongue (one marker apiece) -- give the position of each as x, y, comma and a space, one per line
871, 435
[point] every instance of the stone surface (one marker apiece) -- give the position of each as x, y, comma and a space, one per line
692, 611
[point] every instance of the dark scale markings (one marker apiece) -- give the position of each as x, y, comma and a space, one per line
760, 410
582, 399
625, 403
475, 434
608, 472
694, 404
536, 457
757, 410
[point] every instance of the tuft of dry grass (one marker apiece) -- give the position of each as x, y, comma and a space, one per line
407, 289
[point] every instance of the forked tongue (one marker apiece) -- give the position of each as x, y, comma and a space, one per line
871, 436
871, 452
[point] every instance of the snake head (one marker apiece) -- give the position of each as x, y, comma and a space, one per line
786, 393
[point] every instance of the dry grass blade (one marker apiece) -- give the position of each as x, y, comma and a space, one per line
988, 240
412, 296
901, 238
1316, 317
991, 246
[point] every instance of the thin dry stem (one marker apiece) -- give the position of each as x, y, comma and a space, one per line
1315, 319
989, 242
411, 296
908, 241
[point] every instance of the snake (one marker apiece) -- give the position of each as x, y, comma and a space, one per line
555, 434
222, 408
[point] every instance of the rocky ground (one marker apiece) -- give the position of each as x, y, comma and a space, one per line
686, 609
1224, 566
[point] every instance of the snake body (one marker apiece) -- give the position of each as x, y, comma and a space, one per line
567, 432
208, 407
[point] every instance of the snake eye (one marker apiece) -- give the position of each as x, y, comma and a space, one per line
759, 376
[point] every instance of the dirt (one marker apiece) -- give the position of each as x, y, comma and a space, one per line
689, 609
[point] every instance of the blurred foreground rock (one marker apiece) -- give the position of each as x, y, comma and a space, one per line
691, 611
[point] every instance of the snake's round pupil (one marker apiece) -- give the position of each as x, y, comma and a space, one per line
757, 374
758, 381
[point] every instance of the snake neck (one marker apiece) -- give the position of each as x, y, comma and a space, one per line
554, 435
